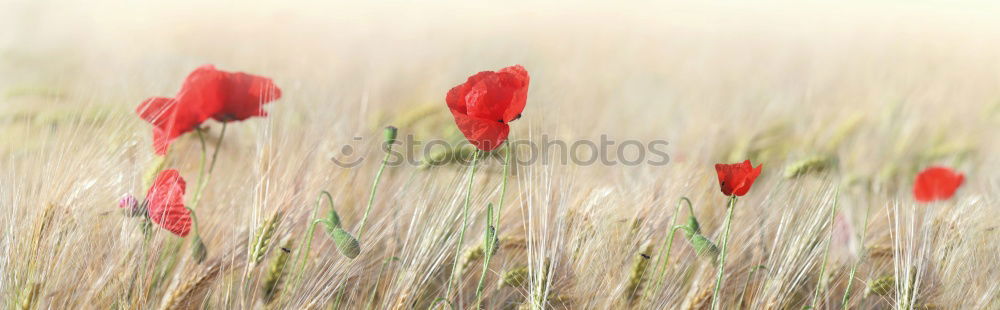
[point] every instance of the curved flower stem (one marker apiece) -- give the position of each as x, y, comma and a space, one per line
722, 257
668, 243
304, 254
496, 225
371, 196
465, 222
194, 220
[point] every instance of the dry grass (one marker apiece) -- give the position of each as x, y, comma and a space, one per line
885, 89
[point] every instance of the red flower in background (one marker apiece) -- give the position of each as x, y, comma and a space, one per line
936, 183
736, 179
206, 93
165, 203
486, 102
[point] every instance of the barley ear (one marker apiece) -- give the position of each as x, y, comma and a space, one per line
883, 286
276, 273
471, 256
541, 286
638, 276
813, 164
515, 278
263, 238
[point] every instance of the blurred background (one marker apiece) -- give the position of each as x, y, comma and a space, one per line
883, 87
676, 71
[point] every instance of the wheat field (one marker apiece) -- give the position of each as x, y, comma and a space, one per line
875, 90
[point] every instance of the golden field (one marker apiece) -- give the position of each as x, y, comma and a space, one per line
877, 90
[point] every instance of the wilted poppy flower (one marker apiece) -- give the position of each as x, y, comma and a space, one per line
486, 102
165, 203
206, 93
936, 183
736, 179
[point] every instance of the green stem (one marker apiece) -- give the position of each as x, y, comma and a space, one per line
503, 187
725, 250
309, 236
371, 196
465, 222
496, 226
194, 220
826, 252
668, 243
203, 175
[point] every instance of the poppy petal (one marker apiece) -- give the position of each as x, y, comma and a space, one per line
748, 179
736, 179
245, 96
517, 80
166, 203
456, 97
484, 104
936, 183
170, 119
486, 135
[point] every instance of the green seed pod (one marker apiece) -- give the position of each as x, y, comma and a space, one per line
883, 286
703, 247
199, 252
515, 278
346, 244
390, 135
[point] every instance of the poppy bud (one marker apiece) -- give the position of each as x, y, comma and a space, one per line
701, 245
346, 244
390, 134
199, 252
130, 204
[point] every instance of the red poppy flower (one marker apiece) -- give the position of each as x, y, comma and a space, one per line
206, 93
736, 179
165, 203
486, 102
936, 183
